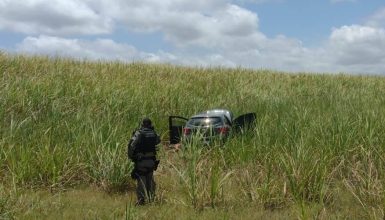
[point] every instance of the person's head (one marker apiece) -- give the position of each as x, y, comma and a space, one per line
146, 123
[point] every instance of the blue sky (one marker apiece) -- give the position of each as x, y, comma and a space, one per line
287, 35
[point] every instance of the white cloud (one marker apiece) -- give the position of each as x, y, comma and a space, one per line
52, 17
185, 22
353, 49
359, 46
181, 21
357, 34
201, 32
104, 49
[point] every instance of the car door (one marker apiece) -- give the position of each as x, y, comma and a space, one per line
244, 122
176, 124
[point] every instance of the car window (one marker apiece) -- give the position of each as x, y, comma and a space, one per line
204, 121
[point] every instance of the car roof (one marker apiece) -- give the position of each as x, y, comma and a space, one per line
215, 113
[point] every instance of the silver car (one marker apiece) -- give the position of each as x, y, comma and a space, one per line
208, 126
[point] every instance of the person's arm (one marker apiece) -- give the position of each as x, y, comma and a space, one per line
157, 139
134, 141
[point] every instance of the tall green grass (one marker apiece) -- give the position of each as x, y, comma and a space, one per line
65, 123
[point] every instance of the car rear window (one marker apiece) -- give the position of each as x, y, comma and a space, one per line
204, 121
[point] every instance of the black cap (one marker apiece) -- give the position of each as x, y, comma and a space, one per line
146, 122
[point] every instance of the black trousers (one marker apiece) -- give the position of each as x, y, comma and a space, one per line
145, 189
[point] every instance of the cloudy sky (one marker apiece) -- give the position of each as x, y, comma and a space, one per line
287, 35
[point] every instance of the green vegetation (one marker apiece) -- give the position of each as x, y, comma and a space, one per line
317, 150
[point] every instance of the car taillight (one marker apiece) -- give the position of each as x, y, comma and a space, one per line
186, 131
223, 130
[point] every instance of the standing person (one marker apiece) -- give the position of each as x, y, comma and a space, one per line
142, 151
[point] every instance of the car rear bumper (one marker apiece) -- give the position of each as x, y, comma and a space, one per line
204, 140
